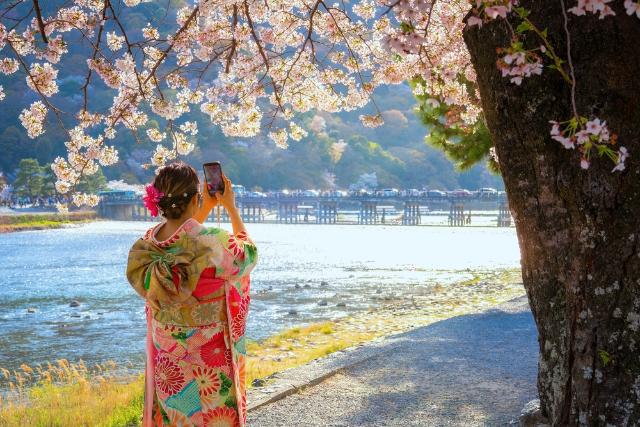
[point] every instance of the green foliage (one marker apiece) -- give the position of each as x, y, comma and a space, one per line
29, 180
605, 357
126, 416
464, 145
92, 183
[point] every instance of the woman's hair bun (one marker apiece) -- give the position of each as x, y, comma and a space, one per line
179, 183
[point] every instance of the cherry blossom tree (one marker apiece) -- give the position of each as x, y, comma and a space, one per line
552, 82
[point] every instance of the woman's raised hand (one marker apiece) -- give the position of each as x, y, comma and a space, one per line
208, 201
228, 198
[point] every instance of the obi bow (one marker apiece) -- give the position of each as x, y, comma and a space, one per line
164, 274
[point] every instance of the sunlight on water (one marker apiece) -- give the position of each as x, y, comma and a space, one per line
46, 270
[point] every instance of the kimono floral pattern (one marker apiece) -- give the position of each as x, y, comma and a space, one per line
196, 285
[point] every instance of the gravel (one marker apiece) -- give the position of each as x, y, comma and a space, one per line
470, 370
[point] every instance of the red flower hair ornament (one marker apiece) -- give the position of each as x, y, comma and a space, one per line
152, 198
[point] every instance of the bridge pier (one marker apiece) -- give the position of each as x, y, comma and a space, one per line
411, 214
368, 213
457, 217
140, 213
251, 212
504, 215
288, 212
213, 215
327, 212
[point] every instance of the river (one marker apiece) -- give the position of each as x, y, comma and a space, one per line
299, 266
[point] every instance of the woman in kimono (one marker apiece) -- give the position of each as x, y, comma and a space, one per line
195, 281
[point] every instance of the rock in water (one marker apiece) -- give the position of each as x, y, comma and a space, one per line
292, 312
74, 303
323, 303
324, 283
31, 310
531, 415
341, 304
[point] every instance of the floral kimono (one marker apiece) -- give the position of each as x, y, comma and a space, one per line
196, 284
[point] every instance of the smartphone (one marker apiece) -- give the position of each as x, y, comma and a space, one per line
213, 177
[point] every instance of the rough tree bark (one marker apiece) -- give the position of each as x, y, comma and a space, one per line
579, 231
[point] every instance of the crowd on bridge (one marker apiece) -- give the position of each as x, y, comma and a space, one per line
385, 192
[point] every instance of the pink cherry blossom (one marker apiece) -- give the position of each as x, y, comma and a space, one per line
584, 163
494, 11
594, 126
567, 143
623, 154
632, 7
474, 20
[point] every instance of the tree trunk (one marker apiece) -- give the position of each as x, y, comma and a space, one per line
579, 231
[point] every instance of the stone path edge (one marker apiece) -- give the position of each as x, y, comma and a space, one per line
292, 380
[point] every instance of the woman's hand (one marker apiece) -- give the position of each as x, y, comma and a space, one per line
228, 198
228, 201
208, 203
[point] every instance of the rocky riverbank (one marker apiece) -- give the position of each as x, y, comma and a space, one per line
394, 313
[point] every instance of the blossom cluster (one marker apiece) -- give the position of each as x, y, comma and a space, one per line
593, 6
81, 199
632, 7
486, 10
33, 119
518, 63
589, 135
42, 79
428, 42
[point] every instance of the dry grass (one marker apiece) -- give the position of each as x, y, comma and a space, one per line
298, 346
68, 394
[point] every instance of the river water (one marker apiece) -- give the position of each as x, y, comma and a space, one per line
299, 266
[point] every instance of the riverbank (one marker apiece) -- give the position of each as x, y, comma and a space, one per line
73, 395
42, 221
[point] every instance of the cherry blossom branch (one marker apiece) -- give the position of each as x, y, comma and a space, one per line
36, 6
93, 57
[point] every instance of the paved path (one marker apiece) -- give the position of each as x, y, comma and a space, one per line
473, 370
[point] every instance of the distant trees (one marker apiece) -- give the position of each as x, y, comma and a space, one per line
35, 180
93, 183
29, 180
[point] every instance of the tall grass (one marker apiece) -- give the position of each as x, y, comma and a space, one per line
70, 394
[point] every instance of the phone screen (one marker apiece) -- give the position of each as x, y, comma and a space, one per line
213, 177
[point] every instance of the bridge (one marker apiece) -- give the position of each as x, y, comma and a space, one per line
405, 210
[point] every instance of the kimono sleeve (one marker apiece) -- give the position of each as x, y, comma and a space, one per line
238, 255
137, 268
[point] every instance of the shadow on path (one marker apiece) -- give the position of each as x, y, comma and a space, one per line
469, 370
